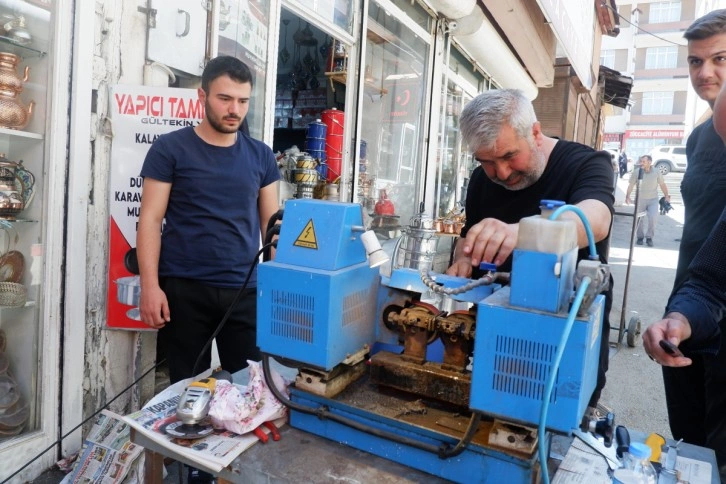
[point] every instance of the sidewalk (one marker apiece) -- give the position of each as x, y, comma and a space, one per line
634, 389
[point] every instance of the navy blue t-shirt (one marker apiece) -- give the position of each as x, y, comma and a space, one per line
212, 229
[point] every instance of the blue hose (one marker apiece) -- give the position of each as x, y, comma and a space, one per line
585, 223
553, 374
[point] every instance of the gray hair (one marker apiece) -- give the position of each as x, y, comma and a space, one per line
484, 116
713, 23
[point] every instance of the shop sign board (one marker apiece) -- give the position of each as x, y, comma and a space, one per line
655, 133
140, 114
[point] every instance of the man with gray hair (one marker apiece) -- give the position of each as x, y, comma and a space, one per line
518, 167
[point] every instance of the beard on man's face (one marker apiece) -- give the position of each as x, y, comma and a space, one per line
528, 177
216, 122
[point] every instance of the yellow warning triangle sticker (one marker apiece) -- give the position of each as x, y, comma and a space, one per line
307, 237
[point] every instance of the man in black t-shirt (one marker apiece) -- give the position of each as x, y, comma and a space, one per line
518, 167
696, 394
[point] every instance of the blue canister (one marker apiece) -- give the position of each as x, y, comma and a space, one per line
317, 130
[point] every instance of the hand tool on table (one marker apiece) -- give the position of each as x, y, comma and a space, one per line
622, 439
656, 443
193, 407
262, 436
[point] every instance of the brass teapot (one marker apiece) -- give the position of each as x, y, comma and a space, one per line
9, 78
16, 187
13, 114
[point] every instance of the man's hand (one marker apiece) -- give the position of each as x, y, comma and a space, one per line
461, 267
490, 240
627, 200
154, 307
674, 328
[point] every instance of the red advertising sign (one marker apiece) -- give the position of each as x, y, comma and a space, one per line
140, 115
655, 133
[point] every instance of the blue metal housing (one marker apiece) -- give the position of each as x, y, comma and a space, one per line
317, 234
513, 353
542, 280
317, 299
313, 316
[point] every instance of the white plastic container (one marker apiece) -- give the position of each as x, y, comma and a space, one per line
539, 234
637, 468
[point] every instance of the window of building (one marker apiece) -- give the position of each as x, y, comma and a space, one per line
661, 12
661, 57
607, 58
658, 102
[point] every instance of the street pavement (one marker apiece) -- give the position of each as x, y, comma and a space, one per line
634, 389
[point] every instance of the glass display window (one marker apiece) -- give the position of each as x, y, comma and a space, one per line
454, 161
243, 33
338, 12
25, 38
394, 111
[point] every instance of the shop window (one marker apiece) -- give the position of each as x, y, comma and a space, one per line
393, 117
338, 12
243, 31
25, 63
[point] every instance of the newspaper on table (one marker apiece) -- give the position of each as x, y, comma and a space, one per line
108, 455
215, 451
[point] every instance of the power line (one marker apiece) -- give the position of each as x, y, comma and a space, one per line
639, 28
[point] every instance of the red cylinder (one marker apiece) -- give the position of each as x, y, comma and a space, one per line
333, 119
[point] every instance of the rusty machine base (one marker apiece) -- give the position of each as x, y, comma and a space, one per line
497, 450
427, 379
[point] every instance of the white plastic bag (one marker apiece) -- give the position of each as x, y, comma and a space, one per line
241, 409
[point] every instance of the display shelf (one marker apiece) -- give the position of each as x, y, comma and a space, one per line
21, 49
342, 77
20, 134
28, 304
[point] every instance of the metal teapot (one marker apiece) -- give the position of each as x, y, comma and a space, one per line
16, 186
13, 114
9, 78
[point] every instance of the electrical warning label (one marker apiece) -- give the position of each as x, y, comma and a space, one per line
307, 237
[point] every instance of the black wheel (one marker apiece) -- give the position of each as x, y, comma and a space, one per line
634, 331
663, 167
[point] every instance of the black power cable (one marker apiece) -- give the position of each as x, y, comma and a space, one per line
83, 422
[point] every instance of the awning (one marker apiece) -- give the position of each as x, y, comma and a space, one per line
616, 87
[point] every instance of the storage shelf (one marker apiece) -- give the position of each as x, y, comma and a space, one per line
342, 77
23, 50
28, 304
20, 134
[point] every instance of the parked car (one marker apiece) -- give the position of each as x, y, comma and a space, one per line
668, 158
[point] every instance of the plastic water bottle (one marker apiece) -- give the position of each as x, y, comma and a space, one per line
637, 468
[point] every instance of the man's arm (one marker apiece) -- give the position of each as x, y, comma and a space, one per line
267, 206
663, 187
701, 301
631, 184
493, 241
154, 200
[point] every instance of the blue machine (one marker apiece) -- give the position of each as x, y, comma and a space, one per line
319, 302
317, 298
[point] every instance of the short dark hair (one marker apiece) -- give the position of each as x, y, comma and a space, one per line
713, 23
647, 157
225, 65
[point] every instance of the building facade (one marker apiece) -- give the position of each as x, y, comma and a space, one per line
396, 72
663, 108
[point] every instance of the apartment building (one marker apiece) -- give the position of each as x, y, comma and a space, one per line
662, 108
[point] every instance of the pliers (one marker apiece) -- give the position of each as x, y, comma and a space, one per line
262, 436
